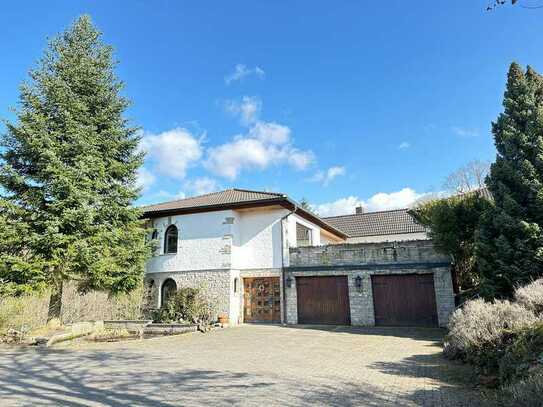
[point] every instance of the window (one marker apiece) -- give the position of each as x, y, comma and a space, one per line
236, 285
170, 240
304, 235
154, 235
168, 289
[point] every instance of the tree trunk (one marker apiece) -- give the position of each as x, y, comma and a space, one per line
55, 302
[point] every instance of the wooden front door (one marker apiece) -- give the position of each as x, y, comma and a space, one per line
323, 300
404, 300
262, 299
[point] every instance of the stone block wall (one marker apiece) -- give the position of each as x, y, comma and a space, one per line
216, 284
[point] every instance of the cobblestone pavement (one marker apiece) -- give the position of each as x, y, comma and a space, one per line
248, 365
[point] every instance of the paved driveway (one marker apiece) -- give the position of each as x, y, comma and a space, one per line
249, 365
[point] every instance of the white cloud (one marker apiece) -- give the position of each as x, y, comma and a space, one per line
144, 179
202, 185
465, 132
326, 177
172, 151
248, 109
241, 71
404, 145
378, 202
264, 145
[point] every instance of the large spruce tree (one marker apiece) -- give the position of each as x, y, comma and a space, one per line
69, 167
510, 241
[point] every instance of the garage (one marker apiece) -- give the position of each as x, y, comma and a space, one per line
404, 300
323, 300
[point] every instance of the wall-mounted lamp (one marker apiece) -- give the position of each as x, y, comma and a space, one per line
358, 282
289, 282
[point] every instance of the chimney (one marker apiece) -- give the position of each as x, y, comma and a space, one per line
359, 210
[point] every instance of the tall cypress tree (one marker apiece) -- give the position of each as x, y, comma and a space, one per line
69, 165
510, 241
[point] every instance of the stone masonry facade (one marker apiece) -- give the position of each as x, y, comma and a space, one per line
365, 260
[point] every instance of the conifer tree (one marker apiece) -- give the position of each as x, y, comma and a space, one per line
510, 240
69, 165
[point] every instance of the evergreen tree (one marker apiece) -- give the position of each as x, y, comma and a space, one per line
452, 225
510, 241
69, 167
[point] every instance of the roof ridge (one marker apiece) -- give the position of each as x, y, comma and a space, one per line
255, 191
366, 213
188, 197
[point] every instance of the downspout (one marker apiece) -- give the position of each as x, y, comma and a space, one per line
283, 264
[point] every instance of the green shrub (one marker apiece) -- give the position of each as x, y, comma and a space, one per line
524, 355
480, 331
531, 296
189, 305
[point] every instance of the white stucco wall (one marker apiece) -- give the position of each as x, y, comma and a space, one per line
204, 242
388, 238
257, 240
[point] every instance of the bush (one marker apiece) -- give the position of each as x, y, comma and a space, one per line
524, 355
531, 296
189, 305
480, 331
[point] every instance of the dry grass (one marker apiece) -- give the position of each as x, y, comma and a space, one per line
24, 313
96, 305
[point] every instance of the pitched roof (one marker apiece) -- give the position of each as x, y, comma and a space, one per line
397, 221
235, 198
222, 198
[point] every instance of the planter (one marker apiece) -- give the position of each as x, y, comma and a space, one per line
168, 329
223, 319
133, 326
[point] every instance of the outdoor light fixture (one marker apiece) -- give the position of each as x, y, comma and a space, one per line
358, 282
289, 282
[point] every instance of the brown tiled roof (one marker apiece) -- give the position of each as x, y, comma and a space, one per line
391, 222
227, 197
235, 199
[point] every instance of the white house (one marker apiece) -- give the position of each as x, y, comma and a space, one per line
238, 245
218, 239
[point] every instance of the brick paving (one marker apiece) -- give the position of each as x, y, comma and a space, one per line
249, 365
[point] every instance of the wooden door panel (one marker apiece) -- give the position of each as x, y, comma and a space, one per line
262, 299
323, 300
404, 300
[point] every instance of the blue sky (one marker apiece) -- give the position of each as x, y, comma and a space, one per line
339, 102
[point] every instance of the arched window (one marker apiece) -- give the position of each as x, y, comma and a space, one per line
170, 240
168, 289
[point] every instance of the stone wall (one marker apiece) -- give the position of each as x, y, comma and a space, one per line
365, 260
216, 284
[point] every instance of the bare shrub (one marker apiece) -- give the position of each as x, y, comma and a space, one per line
24, 313
480, 331
531, 296
97, 305
189, 305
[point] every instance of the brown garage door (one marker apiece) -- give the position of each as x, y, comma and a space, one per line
407, 300
323, 300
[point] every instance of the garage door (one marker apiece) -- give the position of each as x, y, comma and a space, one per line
323, 300
407, 300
